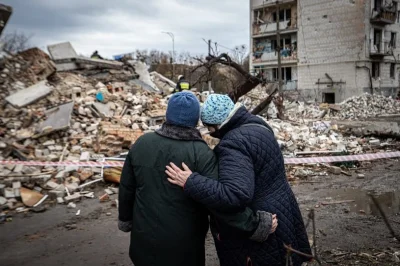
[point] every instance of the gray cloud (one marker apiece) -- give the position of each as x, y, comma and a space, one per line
120, 26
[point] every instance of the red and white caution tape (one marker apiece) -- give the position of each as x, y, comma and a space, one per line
82, 164
347, 158
310, 160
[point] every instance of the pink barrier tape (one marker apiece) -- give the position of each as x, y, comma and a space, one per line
347, 158
310, 160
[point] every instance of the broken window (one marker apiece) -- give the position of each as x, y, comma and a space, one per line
377, 40
288, 74
375, 70
393, 39
284, 15
377, 5
288, 14
392, 70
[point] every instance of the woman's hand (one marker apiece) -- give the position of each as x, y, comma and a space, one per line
274, 224
176, 175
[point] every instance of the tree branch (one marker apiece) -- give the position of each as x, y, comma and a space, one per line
264, 104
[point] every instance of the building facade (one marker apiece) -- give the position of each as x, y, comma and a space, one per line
330, 49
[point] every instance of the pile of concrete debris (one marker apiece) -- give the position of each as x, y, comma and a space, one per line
355, 108
324, 137
324, 129
48, 113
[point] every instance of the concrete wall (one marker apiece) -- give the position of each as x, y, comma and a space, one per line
331, 31
355, 80
331, 40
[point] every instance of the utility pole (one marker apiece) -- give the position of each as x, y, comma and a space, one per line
278, 41
173, 52
209, 72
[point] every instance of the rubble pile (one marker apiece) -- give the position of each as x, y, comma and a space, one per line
75, 116
354, 108
23, 70
368, 105
320, 137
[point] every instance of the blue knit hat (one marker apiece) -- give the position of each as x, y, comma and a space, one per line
216, 109
183, 110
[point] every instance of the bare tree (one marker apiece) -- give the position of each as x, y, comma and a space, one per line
15, 42
239, 53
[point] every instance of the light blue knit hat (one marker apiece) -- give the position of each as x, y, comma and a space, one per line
216, 109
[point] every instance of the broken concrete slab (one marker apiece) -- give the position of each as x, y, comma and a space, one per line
335, 170
99, 63
62, 51
60, 200
29, 95
52, 185
104, 109
41, 180
55, 194
3, 201
58, 118
66, 66
16, 185
9, 193
73, 198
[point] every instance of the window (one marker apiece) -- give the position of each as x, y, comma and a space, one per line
377, 5
375, 70
286, 74
284, 15
393, 40
288, 14
392, 70
284, 43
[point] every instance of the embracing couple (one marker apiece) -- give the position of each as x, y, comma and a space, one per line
240, 190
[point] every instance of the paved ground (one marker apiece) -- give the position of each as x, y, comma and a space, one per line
347, 234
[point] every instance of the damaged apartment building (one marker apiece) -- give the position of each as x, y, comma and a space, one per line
330, 49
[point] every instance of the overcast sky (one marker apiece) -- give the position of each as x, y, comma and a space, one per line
121, 26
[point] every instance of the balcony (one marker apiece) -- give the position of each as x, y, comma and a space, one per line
257, 4
384, 16
380, 49
270, 58
269, 29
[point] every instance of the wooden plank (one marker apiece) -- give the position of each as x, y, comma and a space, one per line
29, 95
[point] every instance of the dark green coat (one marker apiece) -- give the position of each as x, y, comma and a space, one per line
169, 228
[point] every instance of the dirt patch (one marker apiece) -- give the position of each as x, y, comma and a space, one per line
345, 235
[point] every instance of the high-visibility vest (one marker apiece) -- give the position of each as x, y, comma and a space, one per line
184, 85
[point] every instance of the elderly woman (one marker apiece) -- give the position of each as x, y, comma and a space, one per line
167, 227
251, 174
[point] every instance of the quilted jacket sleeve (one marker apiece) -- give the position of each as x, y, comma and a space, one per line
244, 219
235, 187
126, 197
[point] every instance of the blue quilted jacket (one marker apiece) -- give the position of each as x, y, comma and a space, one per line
252, 174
